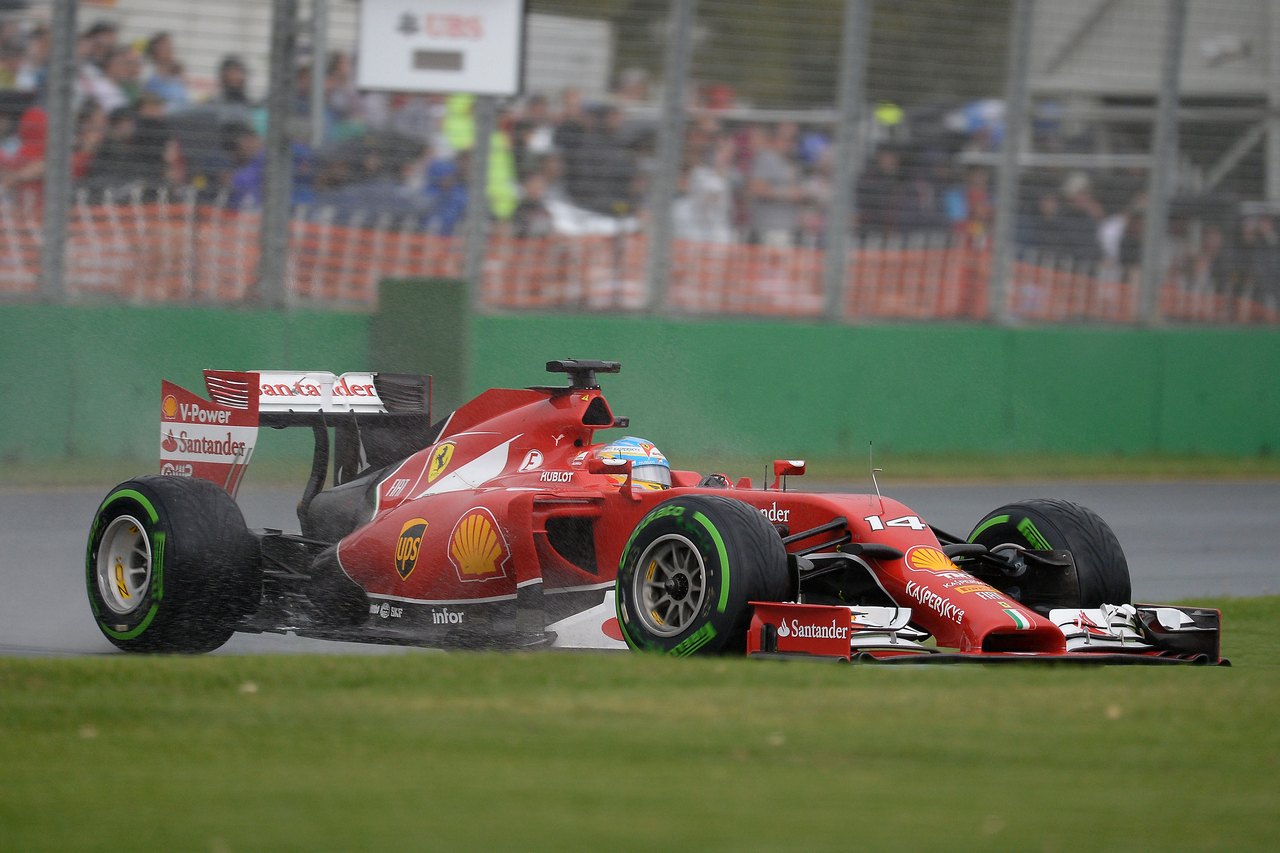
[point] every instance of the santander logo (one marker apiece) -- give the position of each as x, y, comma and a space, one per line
799, 630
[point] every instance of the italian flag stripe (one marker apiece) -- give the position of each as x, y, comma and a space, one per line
1020, 620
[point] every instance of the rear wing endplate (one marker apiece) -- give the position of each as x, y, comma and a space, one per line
378, 417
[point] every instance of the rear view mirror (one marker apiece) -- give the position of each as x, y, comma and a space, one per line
786, 468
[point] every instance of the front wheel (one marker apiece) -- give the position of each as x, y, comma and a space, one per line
689, 571
1048, 524
170, 565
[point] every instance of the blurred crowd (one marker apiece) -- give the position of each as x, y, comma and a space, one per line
562, 164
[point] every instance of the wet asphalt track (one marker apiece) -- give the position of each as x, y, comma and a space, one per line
1183, 540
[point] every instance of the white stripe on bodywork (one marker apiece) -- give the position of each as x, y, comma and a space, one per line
487, 600
473, 474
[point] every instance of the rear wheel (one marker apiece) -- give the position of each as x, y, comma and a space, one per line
689, 571
170, 566
1046, 524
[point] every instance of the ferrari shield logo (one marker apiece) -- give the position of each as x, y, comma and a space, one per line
440, 461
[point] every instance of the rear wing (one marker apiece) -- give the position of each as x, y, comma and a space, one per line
377, 418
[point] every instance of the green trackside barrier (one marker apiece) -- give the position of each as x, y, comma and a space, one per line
422, 326
84, 382
732, 389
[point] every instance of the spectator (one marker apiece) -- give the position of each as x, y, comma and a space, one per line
1209, 265
570, 140
102, 39
1259, 259
231, 103
532, 219
773, 189
1081, 217
245, 181
13, 107
878, 189
22, 170
345, 106
1042, 229
533, 135
118, 85
12, 52
116, 161
165, 76
391, 192
23, 134
815, 199
705, 212
978, 203
34, 69
605, 171
446, 195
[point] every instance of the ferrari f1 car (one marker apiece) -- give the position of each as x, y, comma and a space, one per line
507, 523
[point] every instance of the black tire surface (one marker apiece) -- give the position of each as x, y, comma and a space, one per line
1100, 562
754, 569
206, 573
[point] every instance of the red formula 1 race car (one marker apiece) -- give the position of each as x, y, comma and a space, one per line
508, 524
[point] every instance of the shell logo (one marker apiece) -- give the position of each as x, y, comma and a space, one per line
477, 548
169, 406
924, 558
440, 460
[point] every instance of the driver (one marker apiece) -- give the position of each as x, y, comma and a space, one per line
649, 468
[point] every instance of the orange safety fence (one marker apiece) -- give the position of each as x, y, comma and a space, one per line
179, 251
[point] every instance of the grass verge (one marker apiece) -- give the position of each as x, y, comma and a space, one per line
635, 752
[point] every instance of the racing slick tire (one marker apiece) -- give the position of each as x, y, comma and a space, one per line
1047, 524
689, 570
170, 566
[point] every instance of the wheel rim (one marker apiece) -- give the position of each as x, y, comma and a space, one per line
124, 565
670, 585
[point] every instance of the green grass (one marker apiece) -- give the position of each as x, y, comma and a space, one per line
542, 751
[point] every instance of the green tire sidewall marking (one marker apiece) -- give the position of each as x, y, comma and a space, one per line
986, 525
137, 496
157, 563
695, 641
622, 619
707, 632
1033, 535
723, 603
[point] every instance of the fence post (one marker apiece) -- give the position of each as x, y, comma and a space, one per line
277, 194
851, 94
1003, 241
670, 153
61, 136
319, 67
1164, 163
1273, 102
485, 115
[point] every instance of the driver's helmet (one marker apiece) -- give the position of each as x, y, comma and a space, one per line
649, 468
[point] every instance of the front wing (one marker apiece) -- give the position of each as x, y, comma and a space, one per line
1143, 633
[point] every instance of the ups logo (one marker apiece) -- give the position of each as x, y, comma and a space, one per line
409, 546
